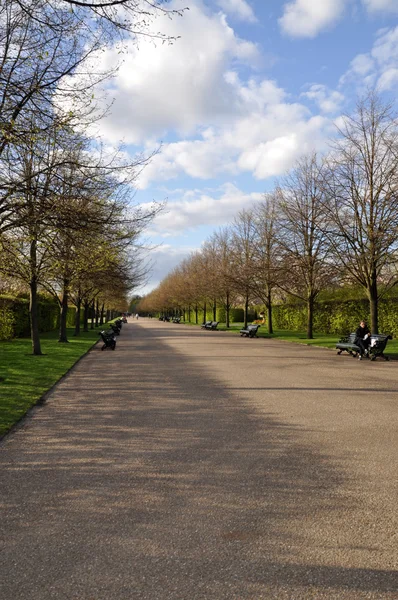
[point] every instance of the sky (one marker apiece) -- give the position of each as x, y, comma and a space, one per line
248, 88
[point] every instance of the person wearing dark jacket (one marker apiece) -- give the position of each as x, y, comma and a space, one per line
362, 338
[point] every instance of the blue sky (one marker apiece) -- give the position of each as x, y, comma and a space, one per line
249, 87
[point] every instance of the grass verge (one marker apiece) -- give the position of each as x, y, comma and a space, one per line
25, 378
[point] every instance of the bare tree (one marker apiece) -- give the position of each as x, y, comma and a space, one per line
224, 270
243, 243
267, 252
44, 42
306, 267
362, 186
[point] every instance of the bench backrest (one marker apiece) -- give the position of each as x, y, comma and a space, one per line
214, 324
106, 337
253, 327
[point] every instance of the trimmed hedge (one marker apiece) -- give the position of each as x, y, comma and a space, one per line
336, 316
6, 322
236, 315
14, 316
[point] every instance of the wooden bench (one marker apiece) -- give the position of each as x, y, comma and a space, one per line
250, 331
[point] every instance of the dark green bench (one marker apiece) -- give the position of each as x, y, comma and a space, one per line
378, 343
250, 331
348, 344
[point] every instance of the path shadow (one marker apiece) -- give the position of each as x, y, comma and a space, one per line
143, 477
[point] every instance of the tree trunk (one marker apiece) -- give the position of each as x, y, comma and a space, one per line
85, 316
227, 309
215, 311
196, 314
246, 311
34, 321
97, 313
92, 314
102, 315
78, 315
204, 312
374, 307
63, 338
269, 313
310, 317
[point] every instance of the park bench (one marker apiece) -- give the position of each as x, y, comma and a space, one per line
109, 340
115, 328
250, 331
177, 320
378, 343
347, 344
210, 325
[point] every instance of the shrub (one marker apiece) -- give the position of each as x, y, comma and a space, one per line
338, 317
15, 320
6, 323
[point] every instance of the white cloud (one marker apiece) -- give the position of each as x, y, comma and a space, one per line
329, 101
192, 92
239, 9
307, 18
266, 142
381, 5
385, 50
362, 64
379, 66
278, 155
388, 79
162, 260
203, 208
180, 86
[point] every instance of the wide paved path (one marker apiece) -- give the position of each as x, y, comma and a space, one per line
193, 465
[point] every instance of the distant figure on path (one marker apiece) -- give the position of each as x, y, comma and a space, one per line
136, 316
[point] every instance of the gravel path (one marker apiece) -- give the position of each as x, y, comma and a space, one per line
193, 465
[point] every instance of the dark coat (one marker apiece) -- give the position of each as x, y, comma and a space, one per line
361, 332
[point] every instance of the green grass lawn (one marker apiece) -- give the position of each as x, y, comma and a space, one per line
25, 378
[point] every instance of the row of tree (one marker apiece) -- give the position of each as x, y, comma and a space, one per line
331, 220
68, 223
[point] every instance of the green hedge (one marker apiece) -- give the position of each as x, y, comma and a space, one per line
236, 315
14, 316
336, 316
6, 322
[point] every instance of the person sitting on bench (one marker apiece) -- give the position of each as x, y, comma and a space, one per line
362, 338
